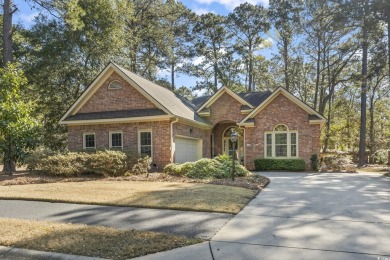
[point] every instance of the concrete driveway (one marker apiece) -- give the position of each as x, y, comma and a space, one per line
309, 216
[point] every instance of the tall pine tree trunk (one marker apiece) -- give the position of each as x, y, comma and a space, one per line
173, 68
363, 98
318, 63
371, 130
250, 79
9, 163
285, 57
7, 32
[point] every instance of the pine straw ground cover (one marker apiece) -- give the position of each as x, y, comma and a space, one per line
86, 240
155, 191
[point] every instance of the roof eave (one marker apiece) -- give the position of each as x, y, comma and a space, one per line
116, 120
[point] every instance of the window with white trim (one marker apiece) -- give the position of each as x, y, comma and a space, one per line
89, 141
116, 140
115, 84
145, 142
281, 143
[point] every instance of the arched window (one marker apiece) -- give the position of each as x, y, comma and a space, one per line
115, 84
281, 143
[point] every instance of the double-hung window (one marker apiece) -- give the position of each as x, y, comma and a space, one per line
116, 140
145, 142
89, 141
281, 143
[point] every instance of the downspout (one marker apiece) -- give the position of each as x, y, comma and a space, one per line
244, 144
172, 142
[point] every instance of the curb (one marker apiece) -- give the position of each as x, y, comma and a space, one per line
10, 253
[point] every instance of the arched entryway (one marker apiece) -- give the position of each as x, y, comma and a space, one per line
221, 140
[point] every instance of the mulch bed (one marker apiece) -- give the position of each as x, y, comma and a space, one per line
254, 182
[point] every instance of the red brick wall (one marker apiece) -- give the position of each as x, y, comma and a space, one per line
204, 134
161, 138
225, 108
282, 111
105, 99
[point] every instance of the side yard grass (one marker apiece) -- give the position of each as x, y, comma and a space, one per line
167, 195
86, 240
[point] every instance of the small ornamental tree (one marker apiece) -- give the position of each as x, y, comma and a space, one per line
18, 129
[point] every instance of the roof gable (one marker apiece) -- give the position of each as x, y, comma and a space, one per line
218, 94
270, 98
161, 97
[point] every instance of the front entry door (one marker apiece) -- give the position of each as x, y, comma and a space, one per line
227, 143
228, 146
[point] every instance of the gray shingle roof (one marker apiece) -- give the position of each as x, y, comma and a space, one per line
116, 114
314, 117
172, 102
253, 98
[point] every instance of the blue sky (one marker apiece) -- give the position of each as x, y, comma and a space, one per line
26, 13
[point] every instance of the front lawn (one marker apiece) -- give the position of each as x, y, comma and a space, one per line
86, 240
152, 194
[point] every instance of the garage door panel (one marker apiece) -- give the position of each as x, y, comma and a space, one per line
187, 149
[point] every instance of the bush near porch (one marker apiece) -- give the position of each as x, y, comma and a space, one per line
279, 164
106, 163
218, 168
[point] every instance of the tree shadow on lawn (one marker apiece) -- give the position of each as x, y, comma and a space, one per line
91, 241
191, 224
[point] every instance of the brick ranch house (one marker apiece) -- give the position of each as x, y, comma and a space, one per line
121, 110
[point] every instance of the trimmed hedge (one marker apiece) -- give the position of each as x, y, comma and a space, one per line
106, 163
217, 168
280, 164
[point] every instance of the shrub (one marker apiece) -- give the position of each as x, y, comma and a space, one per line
339, 163
142, 165
380, 156
106, 163
208, 168
33, 159
219, 167
227, 161
314, 162
280, 164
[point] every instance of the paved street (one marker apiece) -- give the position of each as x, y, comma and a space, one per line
194, 224
308, 216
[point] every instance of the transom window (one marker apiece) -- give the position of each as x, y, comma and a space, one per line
89, 141
116, 140
115, 84
281, 143
145, 142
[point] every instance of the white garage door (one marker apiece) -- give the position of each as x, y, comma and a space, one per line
187, 149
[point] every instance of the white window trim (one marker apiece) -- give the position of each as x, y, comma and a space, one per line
139, 140
288, 132
110, 139
84, 141
115, 81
